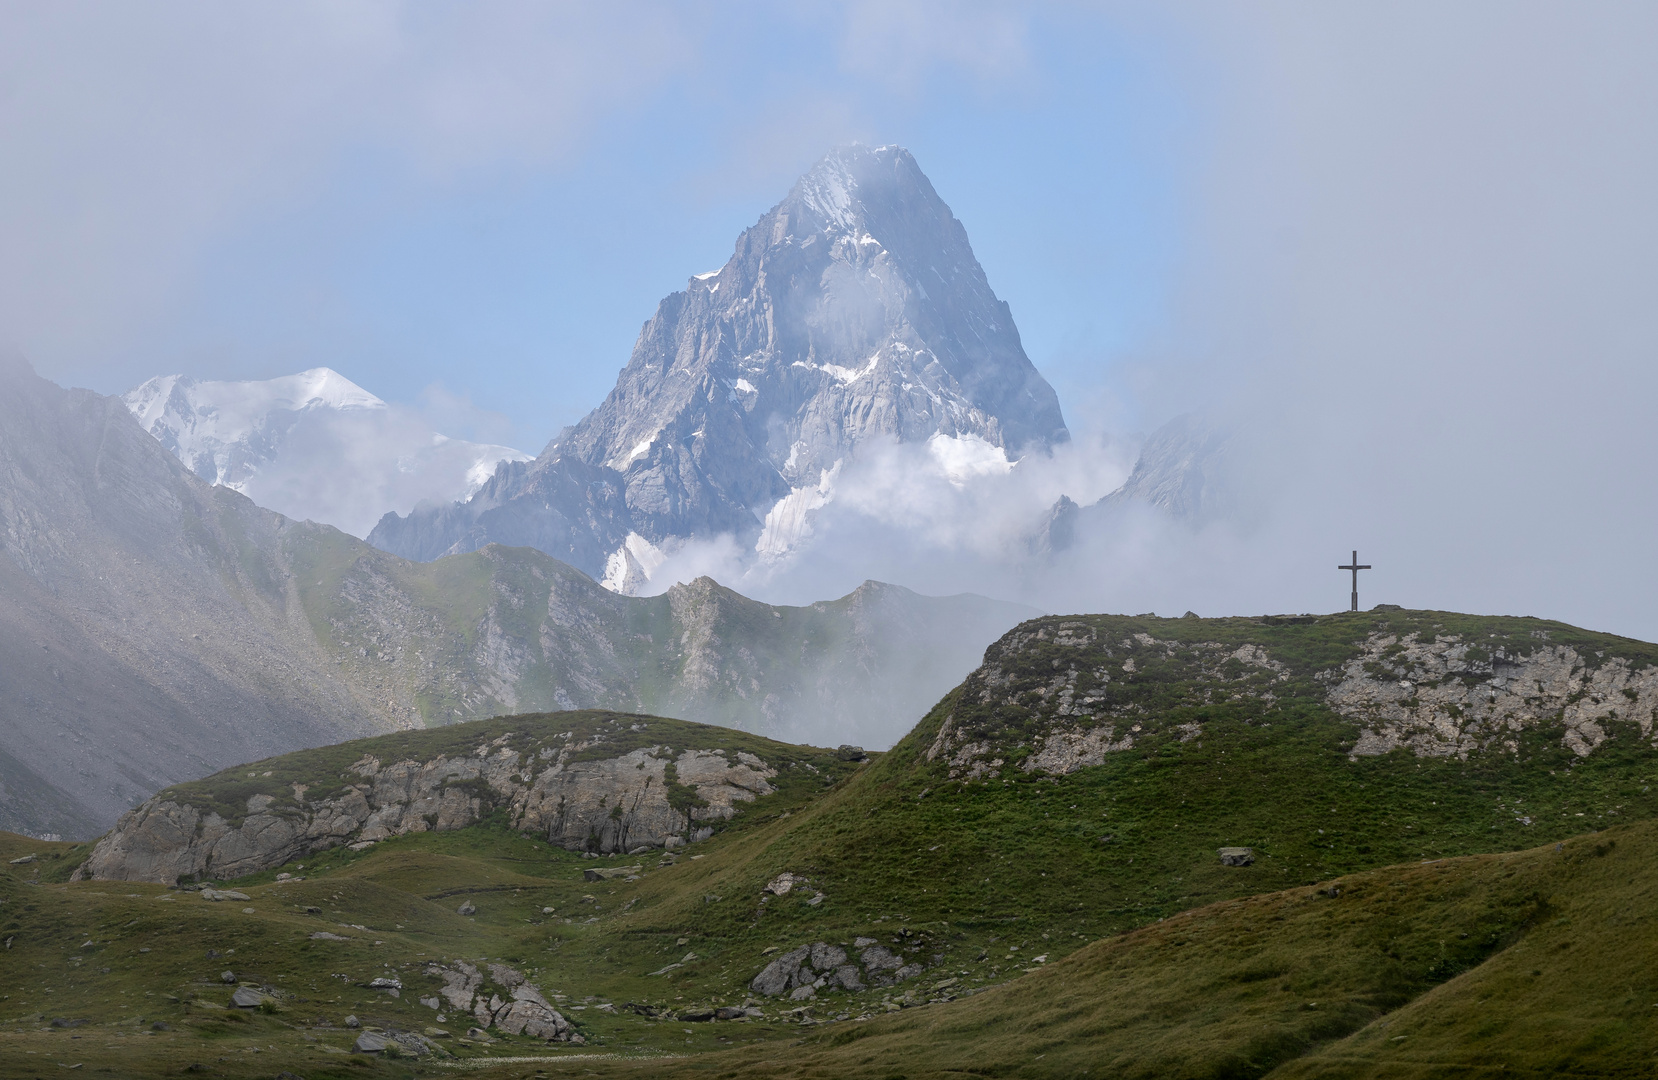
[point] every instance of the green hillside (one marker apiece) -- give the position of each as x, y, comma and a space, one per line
1033, 894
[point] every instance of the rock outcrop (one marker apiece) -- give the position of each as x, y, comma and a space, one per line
524, 1010
801, 973
607, 804
1061, 694
1450, 697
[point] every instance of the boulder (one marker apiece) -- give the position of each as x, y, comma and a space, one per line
727, 1012
1236, 856
466, 908
848, 752
782, 884
697, 1016
782, 974
370, 1043
353, 1022
227, 977
533, 1018
246, 997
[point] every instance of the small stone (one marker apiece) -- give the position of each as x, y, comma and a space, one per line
1236, 856
227, 977
467, 908
353, 1022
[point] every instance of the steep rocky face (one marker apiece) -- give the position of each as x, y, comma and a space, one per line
156, 629
1058, 695
546, 786
854, 310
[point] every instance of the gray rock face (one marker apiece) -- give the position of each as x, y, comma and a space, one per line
854, 310
571, 802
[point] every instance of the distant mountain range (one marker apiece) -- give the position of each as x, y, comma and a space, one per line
156, 628
853, 311
313, 445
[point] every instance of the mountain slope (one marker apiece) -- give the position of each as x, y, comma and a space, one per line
157, 629
1422, 897
312, 446
854, 310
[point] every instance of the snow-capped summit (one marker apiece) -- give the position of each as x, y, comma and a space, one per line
224, 431
313, 445
853, 311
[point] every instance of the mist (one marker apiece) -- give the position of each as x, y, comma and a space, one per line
1420, 297
1413, 275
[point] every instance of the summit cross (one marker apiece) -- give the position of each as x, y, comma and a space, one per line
1355, 566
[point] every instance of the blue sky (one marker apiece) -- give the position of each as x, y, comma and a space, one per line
516, 269
1410, 249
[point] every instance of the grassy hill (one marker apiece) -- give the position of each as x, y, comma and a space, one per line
1080, 919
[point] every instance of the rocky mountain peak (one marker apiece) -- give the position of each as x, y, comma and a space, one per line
854, 310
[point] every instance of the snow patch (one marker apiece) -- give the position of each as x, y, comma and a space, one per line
629, 568
844, 375
789, 522
642, 448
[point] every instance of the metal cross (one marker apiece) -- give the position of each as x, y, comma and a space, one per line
1355, 566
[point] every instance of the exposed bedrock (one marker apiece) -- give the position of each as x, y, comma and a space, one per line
650, 797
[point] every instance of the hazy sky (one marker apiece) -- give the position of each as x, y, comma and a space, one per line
1410, 249
494, 197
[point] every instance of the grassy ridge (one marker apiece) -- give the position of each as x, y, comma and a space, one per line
1249, 969
1132, 840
